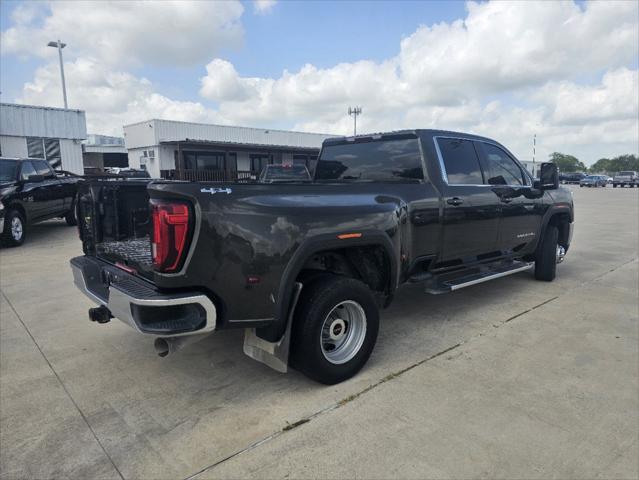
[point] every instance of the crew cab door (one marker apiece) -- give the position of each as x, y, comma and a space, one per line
35, 199
521, 208
51, 189
470, 208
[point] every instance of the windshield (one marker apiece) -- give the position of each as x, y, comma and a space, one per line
8, 170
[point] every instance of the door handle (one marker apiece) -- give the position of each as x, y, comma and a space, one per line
454, 201
506, 200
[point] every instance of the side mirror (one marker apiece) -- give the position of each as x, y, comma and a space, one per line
548, 177
35, 178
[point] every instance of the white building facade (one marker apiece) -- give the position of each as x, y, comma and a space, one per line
53, 134
164, 146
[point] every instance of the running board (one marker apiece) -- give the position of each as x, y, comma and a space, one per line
439, 286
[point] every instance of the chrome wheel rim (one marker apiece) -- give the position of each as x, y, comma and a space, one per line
16, 228
560, 254
343, 332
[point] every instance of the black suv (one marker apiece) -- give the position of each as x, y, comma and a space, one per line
30, 192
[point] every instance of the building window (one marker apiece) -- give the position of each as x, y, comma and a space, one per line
259, 161
204, 161
231, 161
210, 161
46, 149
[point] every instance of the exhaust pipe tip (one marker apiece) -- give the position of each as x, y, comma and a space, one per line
166, 345
162, 347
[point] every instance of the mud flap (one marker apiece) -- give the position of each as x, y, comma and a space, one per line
272, 354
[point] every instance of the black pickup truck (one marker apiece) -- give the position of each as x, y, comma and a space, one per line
305, 267
30, 192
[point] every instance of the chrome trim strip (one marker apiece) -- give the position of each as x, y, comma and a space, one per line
491, 277
119, 304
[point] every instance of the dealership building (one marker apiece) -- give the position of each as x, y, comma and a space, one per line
183, 150
102, 151
53, 134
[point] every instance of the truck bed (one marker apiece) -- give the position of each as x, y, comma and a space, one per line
114, 222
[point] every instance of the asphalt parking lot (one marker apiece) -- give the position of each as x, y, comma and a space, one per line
509, 379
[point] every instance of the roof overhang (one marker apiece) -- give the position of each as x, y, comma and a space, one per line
238, 146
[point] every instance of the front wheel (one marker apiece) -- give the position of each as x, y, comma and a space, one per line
549, 254
13, 232
334, 329
71, 217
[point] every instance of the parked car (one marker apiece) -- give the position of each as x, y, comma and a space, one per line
594, 181
627, 178
284, 173
572, 177
31, 192
304, 268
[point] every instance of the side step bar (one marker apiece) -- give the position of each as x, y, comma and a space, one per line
444, 285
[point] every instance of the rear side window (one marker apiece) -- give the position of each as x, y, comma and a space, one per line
377, 160
460, 161
42, 168
502, 169
27, 170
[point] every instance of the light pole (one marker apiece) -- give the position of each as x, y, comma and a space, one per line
59, 45
354, 112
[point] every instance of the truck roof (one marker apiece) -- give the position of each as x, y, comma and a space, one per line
400, 133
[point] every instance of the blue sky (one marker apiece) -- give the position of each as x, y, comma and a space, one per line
566, 71
350, 31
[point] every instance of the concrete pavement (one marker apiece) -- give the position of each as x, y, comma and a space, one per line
533, 382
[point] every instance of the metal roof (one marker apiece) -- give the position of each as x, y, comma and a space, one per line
34, 121
154, 132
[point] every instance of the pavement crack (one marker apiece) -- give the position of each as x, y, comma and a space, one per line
331, 407
391, 376
66, 391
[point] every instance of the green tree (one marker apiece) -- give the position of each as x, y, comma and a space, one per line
567, 163
600, 166
625, 162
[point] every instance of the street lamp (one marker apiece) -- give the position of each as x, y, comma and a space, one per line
354, 112
59, 45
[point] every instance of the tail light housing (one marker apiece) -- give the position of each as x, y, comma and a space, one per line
170, 233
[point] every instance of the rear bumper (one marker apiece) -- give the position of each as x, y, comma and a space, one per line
139, 304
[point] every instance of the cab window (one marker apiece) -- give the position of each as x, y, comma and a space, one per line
43, 168
386, 160
26, 171
500, 168
461, 163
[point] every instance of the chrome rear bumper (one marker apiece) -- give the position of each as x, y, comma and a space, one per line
141, 306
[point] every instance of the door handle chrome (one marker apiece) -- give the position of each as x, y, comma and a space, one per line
454, 201
506, 200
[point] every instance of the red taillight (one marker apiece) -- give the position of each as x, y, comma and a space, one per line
169, 235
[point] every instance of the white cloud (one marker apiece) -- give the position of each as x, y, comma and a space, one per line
127, 32
111, 98
263, 7
527, 54
507, 70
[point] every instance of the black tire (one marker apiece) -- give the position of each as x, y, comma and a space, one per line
614, 185
71, 217
317, 300
10, 237
546, 256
